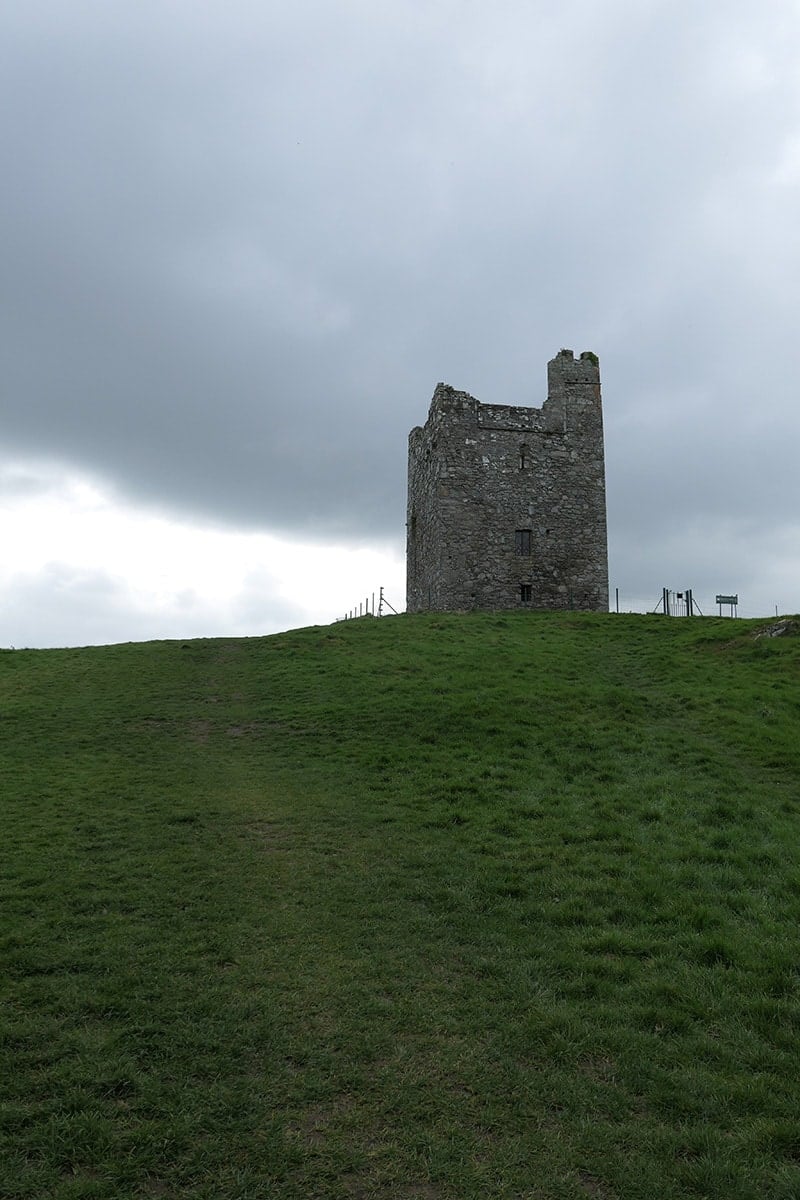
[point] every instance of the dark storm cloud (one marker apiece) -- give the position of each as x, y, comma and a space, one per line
242, 243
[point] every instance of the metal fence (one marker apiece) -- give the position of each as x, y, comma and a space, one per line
363, 609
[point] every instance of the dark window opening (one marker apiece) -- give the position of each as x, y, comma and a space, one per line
525, 592
524, 458
522, 541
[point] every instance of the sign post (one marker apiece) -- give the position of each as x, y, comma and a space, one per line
733, 601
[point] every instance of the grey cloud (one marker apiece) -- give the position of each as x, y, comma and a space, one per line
80, 606
76, 607
243, 244
18, 482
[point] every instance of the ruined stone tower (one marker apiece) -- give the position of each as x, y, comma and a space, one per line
507, 506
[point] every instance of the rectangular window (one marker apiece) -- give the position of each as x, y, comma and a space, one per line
522, 541
525, 593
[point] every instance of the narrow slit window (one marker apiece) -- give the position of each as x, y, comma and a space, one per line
524, 457
525, 593
522, 541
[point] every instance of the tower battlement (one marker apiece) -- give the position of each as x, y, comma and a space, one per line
506, 504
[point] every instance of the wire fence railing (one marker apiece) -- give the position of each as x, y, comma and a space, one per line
363, 608
671, 603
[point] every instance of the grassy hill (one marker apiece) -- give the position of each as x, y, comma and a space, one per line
435, 907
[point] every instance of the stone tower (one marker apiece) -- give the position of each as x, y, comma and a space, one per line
506, 505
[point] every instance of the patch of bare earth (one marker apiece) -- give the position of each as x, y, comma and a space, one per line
246, 729
199, 731
595, 1187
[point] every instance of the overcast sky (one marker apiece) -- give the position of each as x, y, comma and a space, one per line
242, 241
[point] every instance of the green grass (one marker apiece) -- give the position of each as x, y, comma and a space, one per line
435, 907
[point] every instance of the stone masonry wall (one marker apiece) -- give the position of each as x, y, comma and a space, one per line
506, 505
